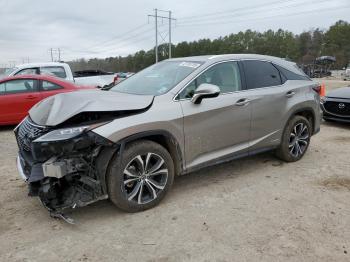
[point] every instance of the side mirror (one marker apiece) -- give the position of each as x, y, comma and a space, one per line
205, 91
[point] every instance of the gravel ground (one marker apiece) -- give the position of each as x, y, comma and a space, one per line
256, 209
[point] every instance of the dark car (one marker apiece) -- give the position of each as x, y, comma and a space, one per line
336, 105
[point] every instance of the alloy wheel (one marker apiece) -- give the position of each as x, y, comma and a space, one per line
145, 177
298, 140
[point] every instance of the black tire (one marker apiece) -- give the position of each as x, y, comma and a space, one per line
128, 166
287, 152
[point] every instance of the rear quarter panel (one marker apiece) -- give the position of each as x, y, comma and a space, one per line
272, 111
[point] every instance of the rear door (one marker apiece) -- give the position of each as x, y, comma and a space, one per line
217, 127
16, 98
269, 102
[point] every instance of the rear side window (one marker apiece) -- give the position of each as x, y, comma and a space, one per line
19, 86
289, 75
261, 74
57, 71
48, 86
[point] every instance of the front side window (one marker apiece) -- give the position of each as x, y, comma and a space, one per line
28, 71
224, 75
158, 78
57, 71
19, 86
261, 74
48, 86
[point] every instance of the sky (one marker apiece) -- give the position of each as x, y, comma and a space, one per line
105, 28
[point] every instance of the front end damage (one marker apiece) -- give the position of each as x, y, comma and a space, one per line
66, 172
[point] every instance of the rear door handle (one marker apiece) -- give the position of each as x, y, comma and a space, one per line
290, 94
242, 102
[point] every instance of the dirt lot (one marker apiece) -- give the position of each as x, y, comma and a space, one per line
256, 209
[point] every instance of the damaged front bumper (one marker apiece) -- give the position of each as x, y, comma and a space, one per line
20, 169
63, 174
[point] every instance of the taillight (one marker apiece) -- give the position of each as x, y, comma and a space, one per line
115, 80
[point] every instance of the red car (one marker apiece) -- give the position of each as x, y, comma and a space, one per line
18, 94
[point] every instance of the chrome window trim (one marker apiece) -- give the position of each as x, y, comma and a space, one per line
225, 61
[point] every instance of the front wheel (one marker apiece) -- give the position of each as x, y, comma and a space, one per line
140, 177
295, 139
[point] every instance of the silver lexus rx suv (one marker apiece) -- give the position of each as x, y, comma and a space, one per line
172, 118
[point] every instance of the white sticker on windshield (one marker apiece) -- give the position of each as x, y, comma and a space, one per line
189, 64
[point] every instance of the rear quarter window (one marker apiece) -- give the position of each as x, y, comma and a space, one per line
48, 86
289, 75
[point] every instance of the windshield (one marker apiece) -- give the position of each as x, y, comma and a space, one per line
8, 71
157, 79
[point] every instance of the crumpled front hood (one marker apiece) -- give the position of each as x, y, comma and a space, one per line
59, 108
343, 92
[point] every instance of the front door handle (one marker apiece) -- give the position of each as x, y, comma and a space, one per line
242, 102
31, 97
290, 94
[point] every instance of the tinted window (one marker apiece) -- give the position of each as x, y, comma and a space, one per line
225, 75
47, 86
289, 75
28, 71
19, 86
57, 71
261, 74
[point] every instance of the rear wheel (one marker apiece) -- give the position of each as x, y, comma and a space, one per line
141, 177
295, 139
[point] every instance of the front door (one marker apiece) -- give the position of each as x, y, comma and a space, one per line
17, 98
217, 127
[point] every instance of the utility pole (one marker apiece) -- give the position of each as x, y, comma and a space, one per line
59, 55
156, 17
51, 55
169, 34
12, 63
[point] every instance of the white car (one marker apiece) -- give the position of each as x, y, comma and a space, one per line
62, 70
347, 74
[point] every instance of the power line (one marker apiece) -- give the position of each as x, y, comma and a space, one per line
119, 36
125, 40
263, 18
251, 7
137, 38
248, 12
